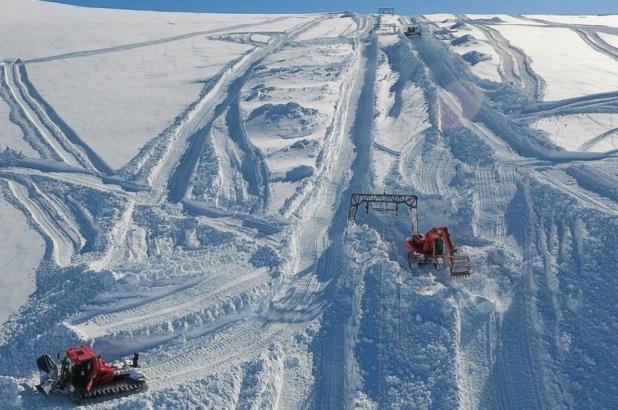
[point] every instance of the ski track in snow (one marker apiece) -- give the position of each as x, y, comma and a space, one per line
239, 304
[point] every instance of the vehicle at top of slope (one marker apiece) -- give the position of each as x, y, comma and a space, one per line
412, 31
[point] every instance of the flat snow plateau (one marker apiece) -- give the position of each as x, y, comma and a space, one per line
178, 184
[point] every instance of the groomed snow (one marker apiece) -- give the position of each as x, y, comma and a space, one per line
571, 69
21, 251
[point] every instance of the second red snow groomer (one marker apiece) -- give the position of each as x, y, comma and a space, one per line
435, 247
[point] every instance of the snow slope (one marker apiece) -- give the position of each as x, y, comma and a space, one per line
566, 76
21, 251
178, 184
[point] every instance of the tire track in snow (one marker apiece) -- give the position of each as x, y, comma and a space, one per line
602, 102
331, 367
597, 43
200, 119
62, 246
18, 117
218, 287
124, 47
561, 182
237, 341
173, 170
252, 171
514, 62
117, 239
59, 130
19, 95
74, 178
254, 168
586, 146
522, 140
234, 346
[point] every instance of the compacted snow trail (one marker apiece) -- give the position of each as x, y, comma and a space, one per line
125, 47
515, 65
18, 94
61, 242
222, 250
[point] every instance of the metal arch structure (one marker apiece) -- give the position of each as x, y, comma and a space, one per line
384, 203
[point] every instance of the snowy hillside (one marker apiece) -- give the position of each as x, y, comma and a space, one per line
178, 184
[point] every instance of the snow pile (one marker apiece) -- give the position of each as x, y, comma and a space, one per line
283, 120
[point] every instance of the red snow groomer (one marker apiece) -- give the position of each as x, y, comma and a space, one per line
431, 249
85, 375
435, 247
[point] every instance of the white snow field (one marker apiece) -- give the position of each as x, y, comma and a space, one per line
21, 252
177, 184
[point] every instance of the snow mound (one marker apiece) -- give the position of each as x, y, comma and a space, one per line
467, 38
475, 57
289, 120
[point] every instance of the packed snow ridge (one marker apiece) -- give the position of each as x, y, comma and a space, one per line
177, 185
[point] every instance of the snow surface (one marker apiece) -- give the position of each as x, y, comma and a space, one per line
582, 132
137, 93
572, 69
178, 184
598, 20
611, 39
11, 136
21, 251
502, 19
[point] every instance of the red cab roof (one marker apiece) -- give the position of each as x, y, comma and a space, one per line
81, 354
